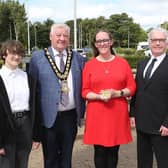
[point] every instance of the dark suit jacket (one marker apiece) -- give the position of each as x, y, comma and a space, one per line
149, 105
7, 126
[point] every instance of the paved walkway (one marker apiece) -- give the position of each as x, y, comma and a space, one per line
83, 155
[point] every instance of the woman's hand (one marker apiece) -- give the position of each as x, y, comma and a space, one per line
105, 95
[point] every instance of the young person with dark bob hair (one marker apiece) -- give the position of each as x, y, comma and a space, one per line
18, 122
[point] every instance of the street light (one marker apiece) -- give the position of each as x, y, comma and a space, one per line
28, 36
127, 28
75, 31
128, 38
80, 35
35, 35
28, 29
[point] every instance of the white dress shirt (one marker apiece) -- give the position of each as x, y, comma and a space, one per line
16, 84
71, 104
157, 63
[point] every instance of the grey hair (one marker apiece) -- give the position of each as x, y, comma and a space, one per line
160, 29
60, 25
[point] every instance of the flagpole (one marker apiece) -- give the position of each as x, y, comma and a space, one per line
28, 29
75, 30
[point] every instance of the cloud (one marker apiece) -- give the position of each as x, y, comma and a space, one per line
36, 13
147, 13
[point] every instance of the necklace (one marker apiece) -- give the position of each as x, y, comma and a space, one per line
106, 68
106, 63
59, 74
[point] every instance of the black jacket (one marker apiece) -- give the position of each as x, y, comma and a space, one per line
7, 126
149, 105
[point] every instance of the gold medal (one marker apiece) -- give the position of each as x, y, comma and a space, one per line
64, 86
105, 93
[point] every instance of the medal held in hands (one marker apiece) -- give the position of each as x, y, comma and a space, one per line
106, 94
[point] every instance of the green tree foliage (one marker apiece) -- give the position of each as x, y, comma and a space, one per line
165, 25
42, 31
121, 26
12, 21
13, 25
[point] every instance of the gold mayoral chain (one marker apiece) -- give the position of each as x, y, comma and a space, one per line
61, 75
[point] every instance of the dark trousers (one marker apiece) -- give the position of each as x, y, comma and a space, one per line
58, 141
105, 157
149, 144
18, 146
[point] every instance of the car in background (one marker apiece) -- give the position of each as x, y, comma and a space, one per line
147, 52
81, 51
144, 46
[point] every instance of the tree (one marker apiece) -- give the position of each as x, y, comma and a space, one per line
125, 32
42, 33
165, 25
12, 21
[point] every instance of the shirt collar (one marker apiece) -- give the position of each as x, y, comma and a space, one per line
7, 71
161, 57
56, 53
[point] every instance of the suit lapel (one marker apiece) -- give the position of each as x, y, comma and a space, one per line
163, 64
51, 52
53, 57
143, 67
5, 102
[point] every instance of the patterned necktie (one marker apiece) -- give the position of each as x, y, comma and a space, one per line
149, 69
64, 95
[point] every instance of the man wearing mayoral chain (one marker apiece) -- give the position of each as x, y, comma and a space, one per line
58, 72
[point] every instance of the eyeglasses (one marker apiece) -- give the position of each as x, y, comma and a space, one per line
102, 41
63, 35
158, 40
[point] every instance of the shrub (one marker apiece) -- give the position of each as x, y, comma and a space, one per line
125, 51
133, 60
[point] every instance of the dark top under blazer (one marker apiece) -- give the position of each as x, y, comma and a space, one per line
6, 118
149, 105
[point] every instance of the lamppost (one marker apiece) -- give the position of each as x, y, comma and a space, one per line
28, 30
35, 35
127, 28
80, 35
128, 38
75, 31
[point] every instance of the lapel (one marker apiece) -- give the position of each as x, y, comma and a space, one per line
163, 64
51, 52
143, 67
53, 57
5, 102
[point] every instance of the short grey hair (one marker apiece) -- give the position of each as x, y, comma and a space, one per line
160, 29
60, 25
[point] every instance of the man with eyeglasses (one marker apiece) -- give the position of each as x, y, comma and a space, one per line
149, 106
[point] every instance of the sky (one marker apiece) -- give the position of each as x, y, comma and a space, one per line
147, 13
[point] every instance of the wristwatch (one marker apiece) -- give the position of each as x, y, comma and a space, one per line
121, 93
